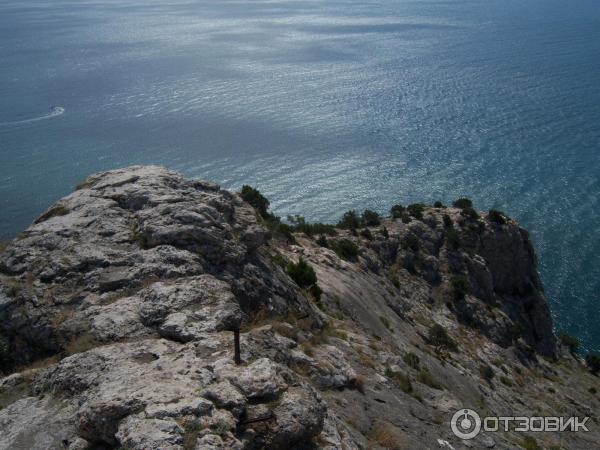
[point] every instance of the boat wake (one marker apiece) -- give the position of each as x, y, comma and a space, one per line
55, 111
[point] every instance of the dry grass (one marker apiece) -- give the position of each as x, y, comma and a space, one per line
424, 376
365, 359
81, 344
386, 436
359, 383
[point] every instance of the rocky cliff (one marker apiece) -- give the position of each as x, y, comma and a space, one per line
119, 305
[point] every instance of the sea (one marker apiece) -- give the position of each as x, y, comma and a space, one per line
325, 106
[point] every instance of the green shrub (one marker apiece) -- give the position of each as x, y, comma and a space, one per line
401, 380
316, 292
321, 228
462, 203
486, 372
406, 218
593, 362
302, 273
571, 342
593, 390
350, 220
299, 224
469, 213
322, 241
410, 242
366, 233
386, 322
411, 360
506, 381
416, 210
282, 229
370, 218
424, 376
530, 443
256, 199
460, 287
447, 221
384, 232
438, 337
346, 249
4, 354
453, 238
516, 330
396, 211
497, 217
438, 204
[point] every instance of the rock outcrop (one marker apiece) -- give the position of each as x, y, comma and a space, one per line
118, 308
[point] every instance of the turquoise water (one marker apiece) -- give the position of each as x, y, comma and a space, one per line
325, 106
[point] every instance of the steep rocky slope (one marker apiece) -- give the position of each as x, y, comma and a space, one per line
118, 308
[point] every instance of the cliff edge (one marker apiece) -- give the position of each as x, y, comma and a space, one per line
119, 307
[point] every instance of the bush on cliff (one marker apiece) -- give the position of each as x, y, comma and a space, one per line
346, 249
370, 218
396, 211
350, 220
416, 210
305, 277
302, 273
300, 225
460, 287
469, 213
410, 242
438, 337
497, 217
4, 354
447, 221
486, 372
593, 362
571, 342
462, 203
256, 199
322, 241
366, 233
453, 238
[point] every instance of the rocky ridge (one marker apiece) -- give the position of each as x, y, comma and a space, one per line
119, 304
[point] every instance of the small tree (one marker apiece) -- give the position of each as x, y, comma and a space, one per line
411, 360
302, 273
322, 241
366, 233
438, 204
256, 199
384, 232
346, 249
447, 221
462, 203
486, 372
438, 337
571, 342
497, 217
350, 220
396, 211
410, 242
469, 213
370, 218
416, 210
593, 362
460, 287
453, 238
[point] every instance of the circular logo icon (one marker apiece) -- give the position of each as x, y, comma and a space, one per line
465, 424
